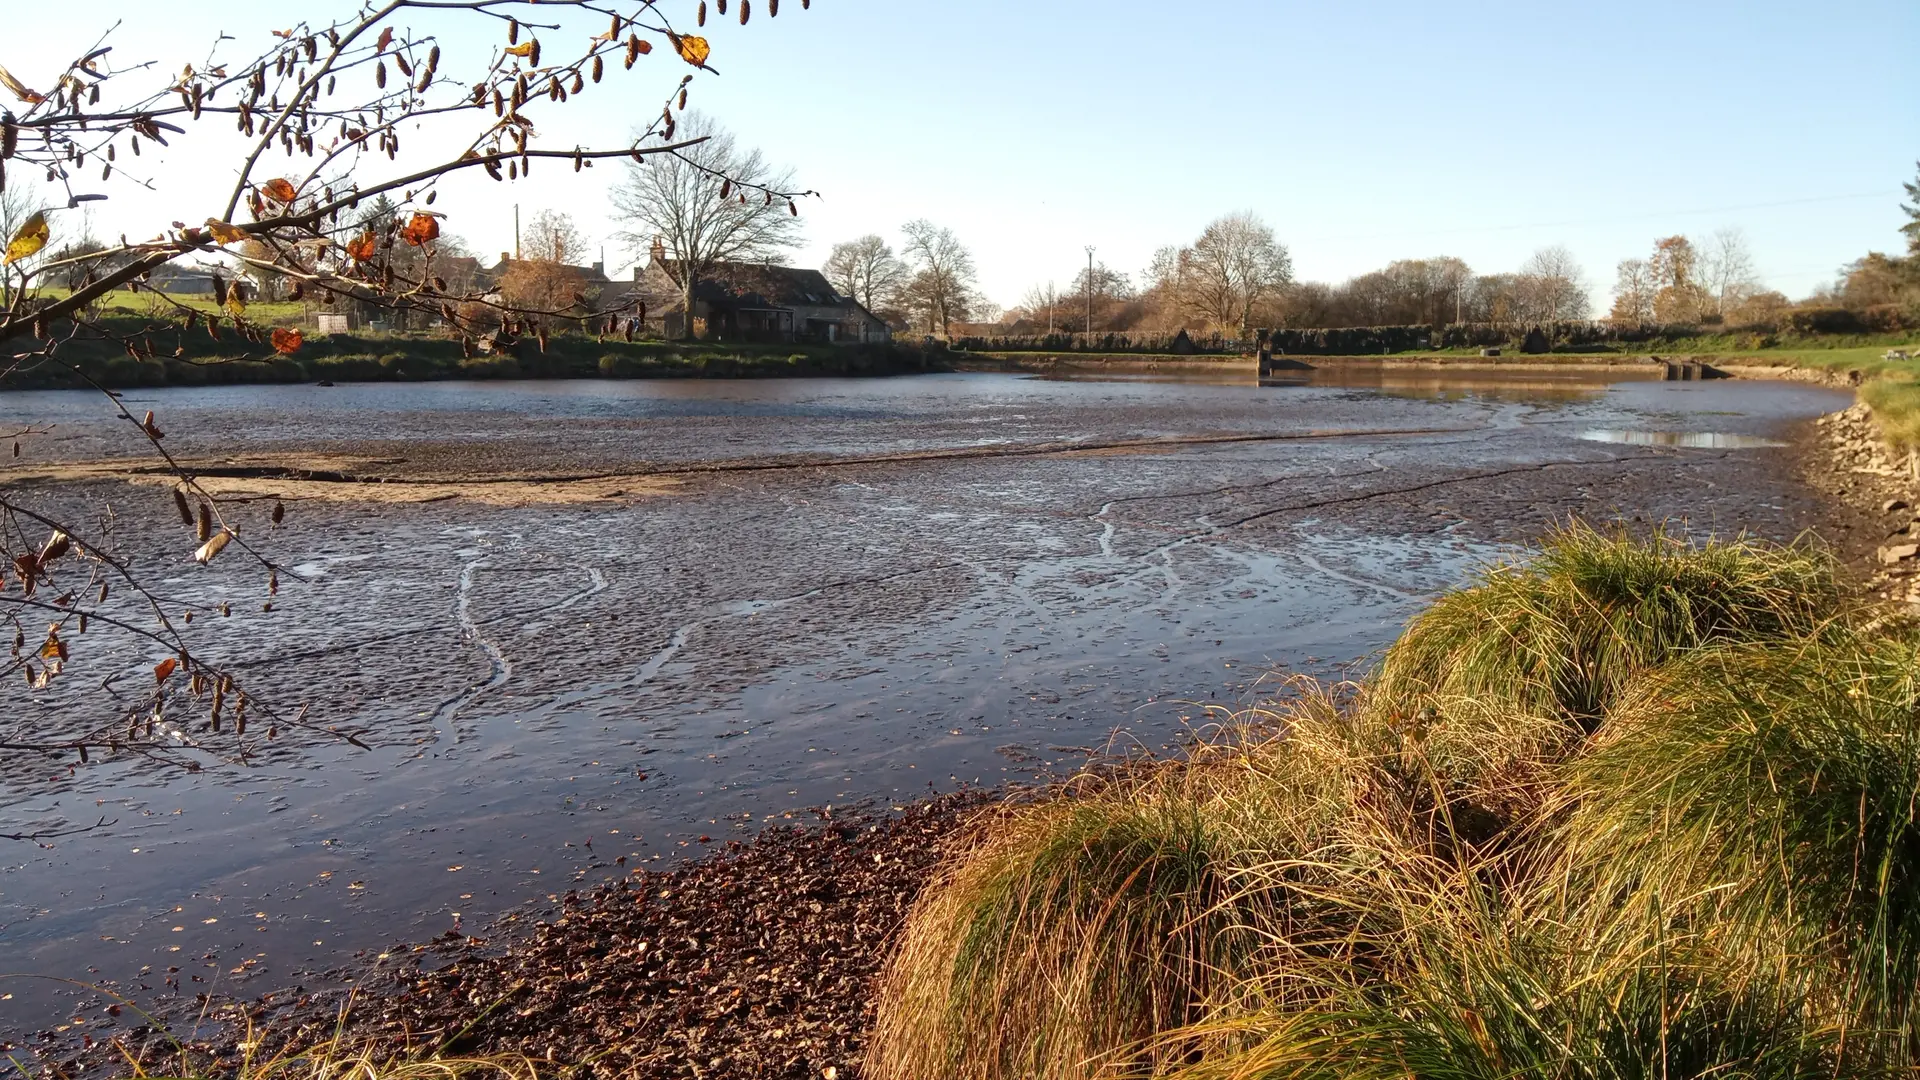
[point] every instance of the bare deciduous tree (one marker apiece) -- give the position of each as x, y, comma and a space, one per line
1040, 303
1728, 271
708, 204
943, 285
546, 278
1634, 290
1552, 287
552, 236
1234, 266
867, 270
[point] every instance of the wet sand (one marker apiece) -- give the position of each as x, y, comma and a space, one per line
656, 617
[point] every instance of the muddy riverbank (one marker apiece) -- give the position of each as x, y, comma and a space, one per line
787, 596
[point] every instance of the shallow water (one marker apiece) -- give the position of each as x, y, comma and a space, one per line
547, 688
1686, 440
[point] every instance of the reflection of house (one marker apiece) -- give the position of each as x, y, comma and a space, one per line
748, 302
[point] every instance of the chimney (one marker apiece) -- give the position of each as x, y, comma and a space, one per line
600, 268
505, 258
659, 250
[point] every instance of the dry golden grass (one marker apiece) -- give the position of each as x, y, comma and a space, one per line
1636, 809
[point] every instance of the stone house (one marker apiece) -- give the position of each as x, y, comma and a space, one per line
748, 302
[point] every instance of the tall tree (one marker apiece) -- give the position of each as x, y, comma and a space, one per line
1553, 287
1675, 266
943, 288
548, 278
867, 270
706, 204
1102, 290
1729, 274
1912, 210
1040, 303
1234, 266
552, 236
1633, 293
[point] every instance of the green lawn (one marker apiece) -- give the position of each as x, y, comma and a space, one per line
123, 303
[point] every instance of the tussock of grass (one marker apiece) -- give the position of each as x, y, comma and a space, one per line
1497, 681
1491, 1005
1069, 932
1559, 634
1764, 802
1896, 408
1703, 775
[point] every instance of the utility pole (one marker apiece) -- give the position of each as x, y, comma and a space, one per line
516, 232
1052, 302
1089, 288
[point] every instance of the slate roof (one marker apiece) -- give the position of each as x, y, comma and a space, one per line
757, 285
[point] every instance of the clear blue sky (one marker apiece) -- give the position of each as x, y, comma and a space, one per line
1362, 132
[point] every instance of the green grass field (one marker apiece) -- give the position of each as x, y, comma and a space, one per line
122, 303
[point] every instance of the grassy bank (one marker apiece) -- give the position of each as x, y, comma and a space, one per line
196, 359
1627, 810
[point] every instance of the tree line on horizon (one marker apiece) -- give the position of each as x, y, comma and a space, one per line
1235, 276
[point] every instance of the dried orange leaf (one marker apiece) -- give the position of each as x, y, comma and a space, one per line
525, 48
164, 669
693, 49
19, 89
213, 546
31, 237
236, 304
363, 247
279, 190
386, 39
223, 233
423, 229
286, 343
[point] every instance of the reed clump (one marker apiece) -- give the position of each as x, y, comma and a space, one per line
1634, 808
1069, 932
1498, 681
1761, 805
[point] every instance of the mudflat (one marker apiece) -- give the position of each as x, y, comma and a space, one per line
587, 628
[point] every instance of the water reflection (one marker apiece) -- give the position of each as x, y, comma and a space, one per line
1485, 384
1686, 440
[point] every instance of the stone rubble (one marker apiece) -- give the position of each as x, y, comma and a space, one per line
1850, 459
